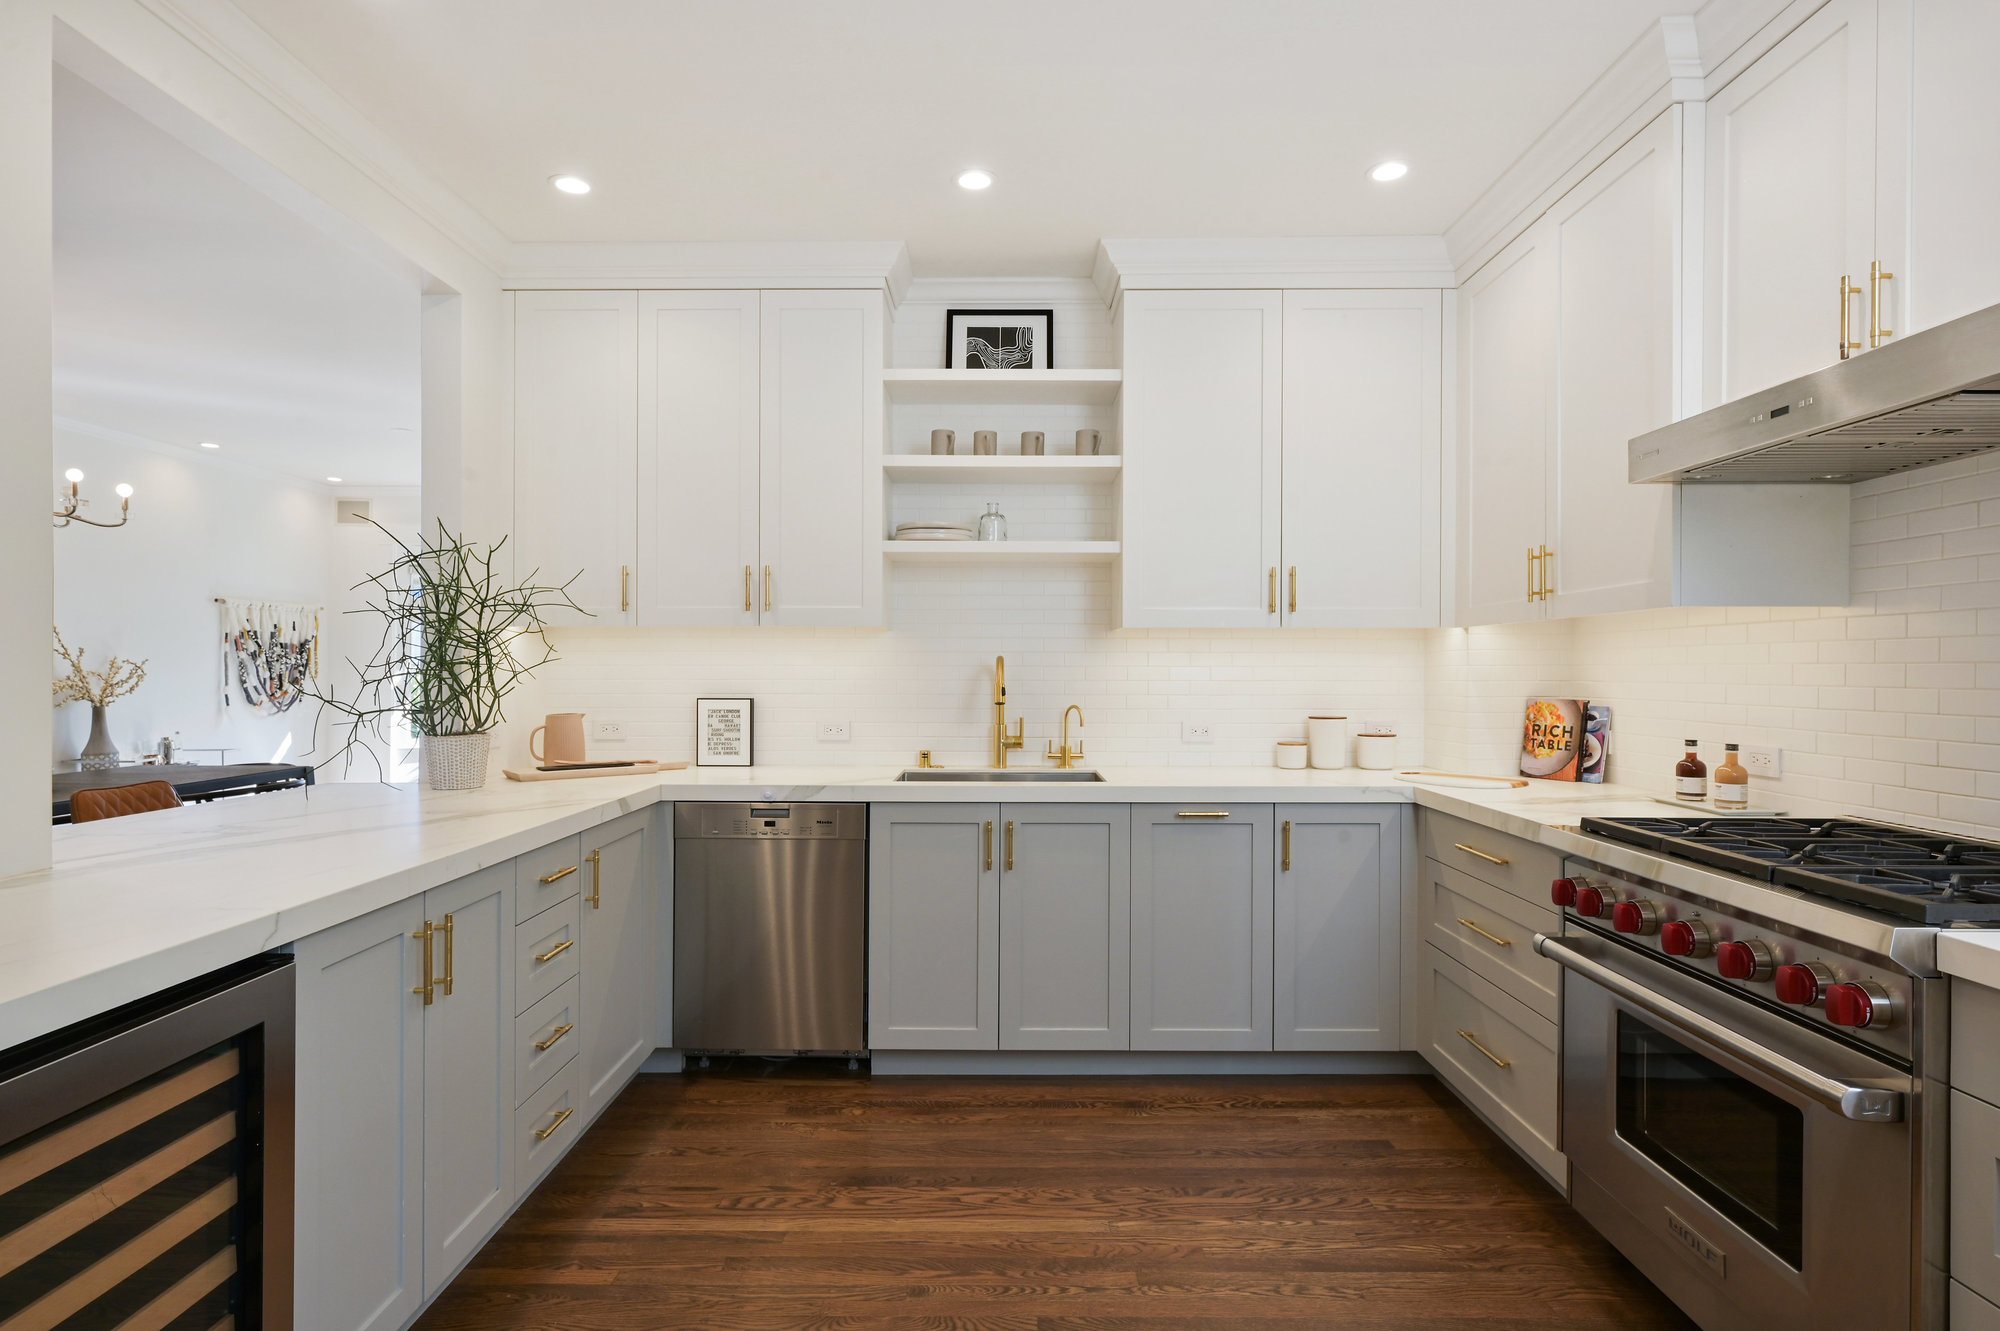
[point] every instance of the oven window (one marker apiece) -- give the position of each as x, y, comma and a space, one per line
1730, 1142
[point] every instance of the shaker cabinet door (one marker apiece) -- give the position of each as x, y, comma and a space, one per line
1065, 926
934, 926
1201, 926
619, 970
1338, 927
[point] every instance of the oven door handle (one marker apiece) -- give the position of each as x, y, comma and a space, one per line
1863, 1104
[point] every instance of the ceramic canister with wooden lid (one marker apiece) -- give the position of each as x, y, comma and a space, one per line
1326, 740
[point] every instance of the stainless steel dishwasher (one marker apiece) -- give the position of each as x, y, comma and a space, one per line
770, 928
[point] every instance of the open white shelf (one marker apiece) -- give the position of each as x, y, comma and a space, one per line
1066, 387
1019, 470
1046, 552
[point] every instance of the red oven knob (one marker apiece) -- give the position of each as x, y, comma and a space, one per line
1801, 983
1864, 1004
1687, 938
1743, 961
1589, 901
1563, 891
1635, 917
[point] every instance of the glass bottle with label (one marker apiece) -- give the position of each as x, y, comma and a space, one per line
1732, 781
1691, 777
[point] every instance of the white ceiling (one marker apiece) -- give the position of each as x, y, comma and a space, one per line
190, 307
792, 120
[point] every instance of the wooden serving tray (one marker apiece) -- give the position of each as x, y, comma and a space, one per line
576, 773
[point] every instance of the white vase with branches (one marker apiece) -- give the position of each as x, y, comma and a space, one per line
99, 688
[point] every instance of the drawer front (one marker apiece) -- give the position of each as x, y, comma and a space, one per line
545, 1038
1969, 1312
548, 1123
545, 876
1520, 867
545, 953
1975, 1040
1975, 1227
1498, 1054
1492, 934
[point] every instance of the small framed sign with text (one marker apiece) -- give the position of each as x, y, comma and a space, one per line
722, 732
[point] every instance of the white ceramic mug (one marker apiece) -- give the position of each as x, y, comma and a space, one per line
1031, 443
943, 443
564, 742
1088, 442
986, 443
1326, 738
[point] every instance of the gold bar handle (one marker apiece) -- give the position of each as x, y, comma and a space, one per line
1877, 334
1533, 582
1491, 938
1286, 858
1274, 589
624, 586
1295, 589
550, 1130
1848, 291
1220, 813
559, 875
1548, 582
1473, 1040
429, 986
1490, 859
596, 877
748, 577
449, 966
989, 845
556, 951
767, 586
1010, 845
556, 1034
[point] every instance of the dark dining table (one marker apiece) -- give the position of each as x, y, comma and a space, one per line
193, 782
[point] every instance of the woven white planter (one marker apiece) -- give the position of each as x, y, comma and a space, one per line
454, 762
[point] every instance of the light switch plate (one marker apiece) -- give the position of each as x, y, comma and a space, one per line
1761, 761
833, 732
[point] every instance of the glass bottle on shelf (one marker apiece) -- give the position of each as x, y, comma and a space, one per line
992, 524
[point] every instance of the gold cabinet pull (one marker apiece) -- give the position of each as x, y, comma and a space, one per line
1010, 845
449, 967
747, 577
1848, 343
550, 1130
624, 586
556, 951
989, 845
1294, 590
767, 586
559, 875
1532, 582
1548, 576
1491, 938
1274, 589
1473, 1040
596, 877
429, 986
1490, 859
1286, 858
556, 1034
1877, 275
1187, 813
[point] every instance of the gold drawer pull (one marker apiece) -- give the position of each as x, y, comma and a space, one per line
1490, 859
560, 874
550, 1130
1491, 938
1498, 1061
556, 951
557, 1034
1219, 813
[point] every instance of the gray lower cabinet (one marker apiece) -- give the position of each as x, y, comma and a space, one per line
1337, 937
1065, 926
1201, 926
933, 926
620, 968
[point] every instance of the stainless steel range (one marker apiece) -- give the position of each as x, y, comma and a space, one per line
1754, 1050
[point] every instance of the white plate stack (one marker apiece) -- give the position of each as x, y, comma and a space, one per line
932, 531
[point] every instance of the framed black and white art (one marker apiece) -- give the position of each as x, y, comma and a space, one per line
1000, 339
722, 732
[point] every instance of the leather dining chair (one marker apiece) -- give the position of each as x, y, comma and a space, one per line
87, 806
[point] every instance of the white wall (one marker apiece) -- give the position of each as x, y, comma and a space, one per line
356, 552
1889, 707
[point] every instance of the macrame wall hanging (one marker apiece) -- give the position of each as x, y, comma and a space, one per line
269, 650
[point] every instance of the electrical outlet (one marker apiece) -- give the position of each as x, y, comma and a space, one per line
610, 730
833, 732
1196, 732
1760, 761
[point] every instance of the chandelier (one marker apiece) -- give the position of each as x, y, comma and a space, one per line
71, 502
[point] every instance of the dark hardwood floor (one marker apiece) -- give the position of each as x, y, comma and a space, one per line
783, 1198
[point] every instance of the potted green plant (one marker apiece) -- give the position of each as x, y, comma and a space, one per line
457, 638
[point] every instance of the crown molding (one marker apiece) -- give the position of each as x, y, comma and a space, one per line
229, 37
1679, 59
1302, 262
1001, 292
700, 265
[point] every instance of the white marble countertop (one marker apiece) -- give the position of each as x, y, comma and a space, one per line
1971, 954
133, 905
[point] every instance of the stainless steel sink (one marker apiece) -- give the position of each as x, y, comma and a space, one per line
934, 774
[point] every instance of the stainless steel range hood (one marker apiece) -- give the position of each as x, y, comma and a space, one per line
1927, 398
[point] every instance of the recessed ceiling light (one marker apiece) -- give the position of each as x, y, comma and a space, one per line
206, 444
333, 480
974, 179
570, 184
1388, 171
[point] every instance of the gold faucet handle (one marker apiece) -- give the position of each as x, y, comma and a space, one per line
1019, 739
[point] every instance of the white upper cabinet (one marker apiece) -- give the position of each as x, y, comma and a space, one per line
698, 440
576, 371
820, 505
1791, 145
1201, 425
1361, 459
1507, 348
